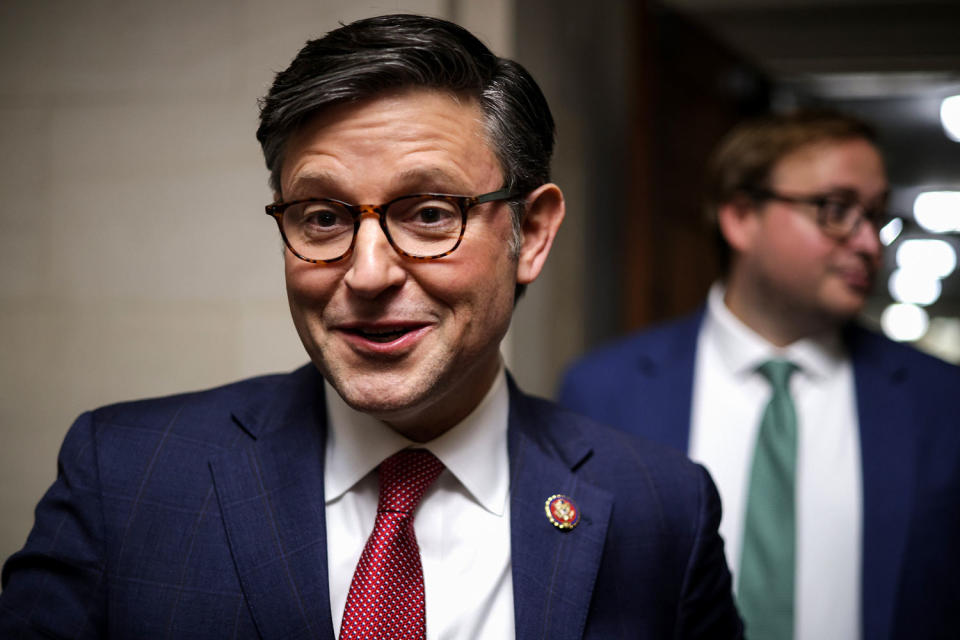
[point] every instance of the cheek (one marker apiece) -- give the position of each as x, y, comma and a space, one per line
492, 296
478, 291
308, 286
801, 247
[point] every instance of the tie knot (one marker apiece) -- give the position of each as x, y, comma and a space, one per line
405, 477
778, 372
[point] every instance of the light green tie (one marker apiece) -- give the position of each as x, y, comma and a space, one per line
766, 581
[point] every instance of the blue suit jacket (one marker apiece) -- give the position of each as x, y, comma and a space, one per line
202, 516
910, 452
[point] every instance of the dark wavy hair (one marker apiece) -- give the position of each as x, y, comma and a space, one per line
369, 57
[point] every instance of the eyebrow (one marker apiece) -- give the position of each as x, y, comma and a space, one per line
312, 182
432, 179
845, 191
414, 180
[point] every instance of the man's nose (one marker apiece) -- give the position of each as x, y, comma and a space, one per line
374, 265
866, 240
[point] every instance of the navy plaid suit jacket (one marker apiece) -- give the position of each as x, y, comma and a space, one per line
910, 458
202, 516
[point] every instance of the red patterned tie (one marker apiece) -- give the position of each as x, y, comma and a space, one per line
386, 596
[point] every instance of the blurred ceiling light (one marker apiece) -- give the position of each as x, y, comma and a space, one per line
904, 322
942, 338
932, 257
938, 211
891, 231
914, 287
950, 117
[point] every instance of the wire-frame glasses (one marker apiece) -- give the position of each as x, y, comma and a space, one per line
420, 226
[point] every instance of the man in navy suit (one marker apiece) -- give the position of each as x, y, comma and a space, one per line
799, 199
245, 511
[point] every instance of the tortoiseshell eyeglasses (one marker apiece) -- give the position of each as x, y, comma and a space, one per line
421, 226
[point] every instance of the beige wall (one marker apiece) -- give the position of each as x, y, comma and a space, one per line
135, 258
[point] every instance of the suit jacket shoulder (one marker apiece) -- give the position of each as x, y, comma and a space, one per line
641, 384
141, 535
924, 373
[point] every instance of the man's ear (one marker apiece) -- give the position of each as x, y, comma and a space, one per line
738, 221
544, 213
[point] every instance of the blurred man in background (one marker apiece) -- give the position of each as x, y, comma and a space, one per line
834, 449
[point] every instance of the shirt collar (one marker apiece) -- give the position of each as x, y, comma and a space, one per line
742, 349
474, 451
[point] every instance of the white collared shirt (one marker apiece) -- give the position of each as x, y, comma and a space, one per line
462, 524
729, 396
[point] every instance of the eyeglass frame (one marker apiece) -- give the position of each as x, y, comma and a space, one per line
276, 209
876, 216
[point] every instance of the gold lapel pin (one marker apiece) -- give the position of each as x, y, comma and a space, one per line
562, 512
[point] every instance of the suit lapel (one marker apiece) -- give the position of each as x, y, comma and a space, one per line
665, 388
270, 494
888, 460
554, 571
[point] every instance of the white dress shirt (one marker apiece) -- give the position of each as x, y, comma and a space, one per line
462, 524
729, 397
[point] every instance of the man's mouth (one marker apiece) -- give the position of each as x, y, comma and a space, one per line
382, 334
861, 279
386, 333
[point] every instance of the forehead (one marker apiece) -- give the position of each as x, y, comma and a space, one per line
853, 164
406, 136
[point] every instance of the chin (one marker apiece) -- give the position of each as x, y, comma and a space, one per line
842, 301
845, 309
381, 396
